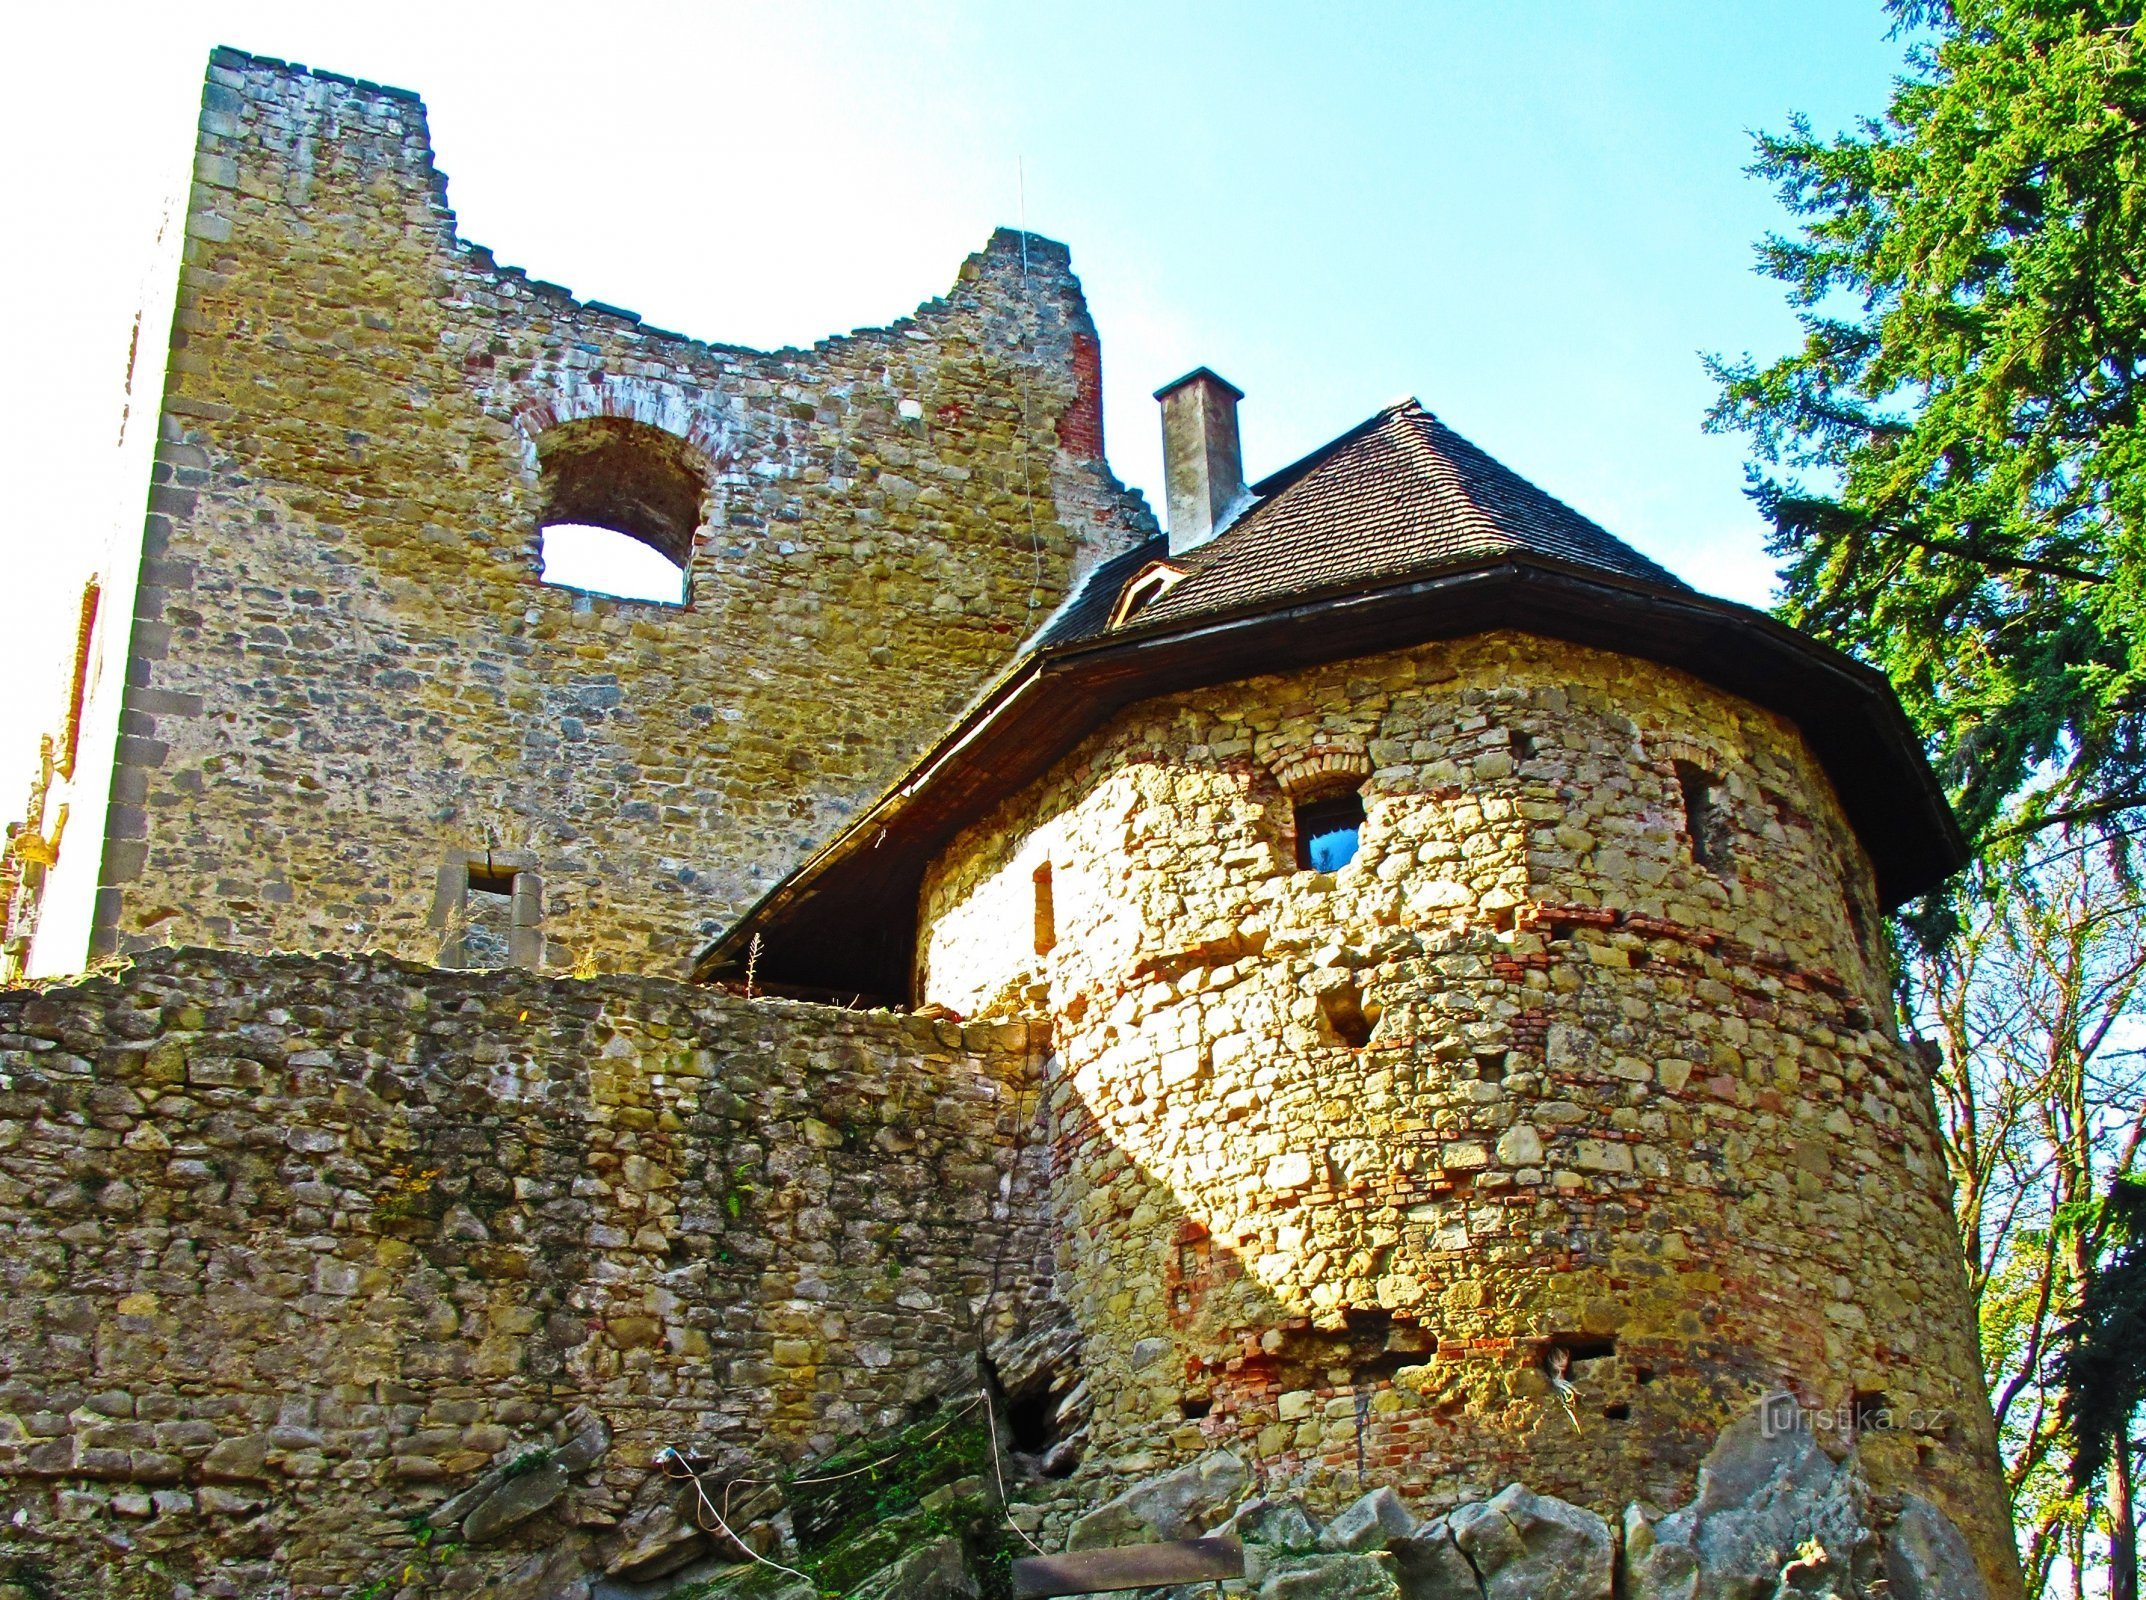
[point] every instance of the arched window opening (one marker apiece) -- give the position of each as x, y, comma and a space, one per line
1703, 821
622, 501
1329, 829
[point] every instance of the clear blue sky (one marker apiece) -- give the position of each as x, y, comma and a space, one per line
1532, 216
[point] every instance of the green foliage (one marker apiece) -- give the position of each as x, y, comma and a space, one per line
836, 1569
877, 1478
527, 1462
1954, 462
865, 1506
32, 1577
2103, 1362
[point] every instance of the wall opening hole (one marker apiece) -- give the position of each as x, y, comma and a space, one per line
1381, 1368
1703, 821
1351, 1017
1039, 1431
488, 917
603, 561
1620, 1412
1043, 1409
1642, 1376
1192, 1409
1046, 912
1873, 1411
1859, 926
1329, 830
1565, 1352
1523, 746
1490, 1066
489, 912
622, 501
1030, 1420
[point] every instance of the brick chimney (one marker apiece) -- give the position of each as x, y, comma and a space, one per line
1202, 465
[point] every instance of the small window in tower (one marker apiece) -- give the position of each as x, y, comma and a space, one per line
1703, 821
1328, 831
1046, 912
489, 909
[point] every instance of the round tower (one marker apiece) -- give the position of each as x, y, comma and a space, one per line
1475, 1059
1536, 1138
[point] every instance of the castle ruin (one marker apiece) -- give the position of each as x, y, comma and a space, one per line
1379, 977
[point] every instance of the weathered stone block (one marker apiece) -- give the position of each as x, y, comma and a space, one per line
1178, 1505
515, 1501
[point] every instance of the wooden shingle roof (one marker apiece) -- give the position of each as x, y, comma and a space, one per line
1398, 495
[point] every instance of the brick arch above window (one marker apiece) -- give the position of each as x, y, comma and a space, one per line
1326, 768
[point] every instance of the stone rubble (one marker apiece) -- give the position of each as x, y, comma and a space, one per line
1774, 1518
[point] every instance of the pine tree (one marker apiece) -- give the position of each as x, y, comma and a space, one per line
1954, 462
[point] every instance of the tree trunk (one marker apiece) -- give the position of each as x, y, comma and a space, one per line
2123, 1524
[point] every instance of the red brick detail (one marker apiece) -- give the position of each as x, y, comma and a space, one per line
1080, 426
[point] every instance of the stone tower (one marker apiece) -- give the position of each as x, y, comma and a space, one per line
1458, 938
341, 651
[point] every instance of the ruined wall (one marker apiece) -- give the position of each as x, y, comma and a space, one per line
294, 1248
344, 669
1610, 1100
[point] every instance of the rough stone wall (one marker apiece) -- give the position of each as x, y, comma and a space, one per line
1611, 1100
344, 668
294, 1247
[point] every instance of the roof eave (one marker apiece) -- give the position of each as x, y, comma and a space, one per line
1905, 823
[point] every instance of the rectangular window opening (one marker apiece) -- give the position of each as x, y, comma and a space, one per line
489, 909
1328, 831
1701, 794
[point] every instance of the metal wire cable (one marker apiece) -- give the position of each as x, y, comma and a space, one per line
1005, 1505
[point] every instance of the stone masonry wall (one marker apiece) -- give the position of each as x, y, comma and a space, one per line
1345, 1159
294, 1247
345, 674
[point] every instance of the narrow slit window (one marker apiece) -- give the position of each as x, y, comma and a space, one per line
1329, 830
1046, 912
1703, 821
